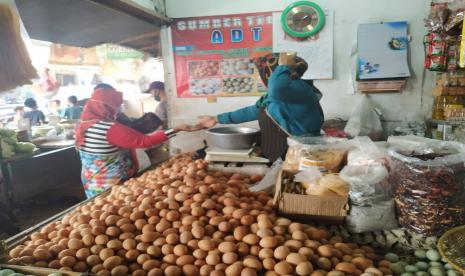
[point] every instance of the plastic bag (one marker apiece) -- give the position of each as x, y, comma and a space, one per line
325, 153
379, 216
269, 180
143, 160
367, 184
308, 175
429, 183
364, 121
366, 152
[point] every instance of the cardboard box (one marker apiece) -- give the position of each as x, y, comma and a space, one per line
323, 209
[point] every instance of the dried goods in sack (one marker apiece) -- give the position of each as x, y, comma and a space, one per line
429, 183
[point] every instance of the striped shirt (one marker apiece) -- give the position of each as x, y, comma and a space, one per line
95, 139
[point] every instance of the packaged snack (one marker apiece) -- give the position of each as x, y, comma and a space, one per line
454, 20
325, 153
437, 48
437, 63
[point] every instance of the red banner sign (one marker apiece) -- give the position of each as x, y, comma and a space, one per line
213, 55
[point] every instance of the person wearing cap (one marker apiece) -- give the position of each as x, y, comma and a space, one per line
290, 107
107, 147
157, 89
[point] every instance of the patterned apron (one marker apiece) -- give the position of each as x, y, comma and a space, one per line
100, 172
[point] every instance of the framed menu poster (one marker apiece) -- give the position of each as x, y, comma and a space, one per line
213, 55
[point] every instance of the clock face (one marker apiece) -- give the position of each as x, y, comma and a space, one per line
303, 19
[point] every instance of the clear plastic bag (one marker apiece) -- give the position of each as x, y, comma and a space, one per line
367, 184
429, 183
379, 216
269, 180
366, 153
326, 153
364, 121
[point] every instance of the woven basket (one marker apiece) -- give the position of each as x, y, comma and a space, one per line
452, 247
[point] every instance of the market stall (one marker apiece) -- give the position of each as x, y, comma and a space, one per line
279, 200
181, 218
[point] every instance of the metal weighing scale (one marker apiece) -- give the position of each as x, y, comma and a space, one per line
218, 155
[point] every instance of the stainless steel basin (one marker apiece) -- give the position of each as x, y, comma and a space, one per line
232, 137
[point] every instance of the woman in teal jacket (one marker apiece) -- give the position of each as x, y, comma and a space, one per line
290, 108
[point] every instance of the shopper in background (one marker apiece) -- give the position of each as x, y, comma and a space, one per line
32, 113
54, 108
157, 89
107, 147
19, 114
290, 108
73, 111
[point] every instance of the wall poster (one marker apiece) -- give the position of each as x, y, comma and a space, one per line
213, 55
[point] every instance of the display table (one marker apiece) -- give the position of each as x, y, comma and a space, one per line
45, 171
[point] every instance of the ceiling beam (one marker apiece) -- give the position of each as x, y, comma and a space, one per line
136, 10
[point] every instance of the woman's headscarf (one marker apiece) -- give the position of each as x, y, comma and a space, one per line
103, 105
267, 64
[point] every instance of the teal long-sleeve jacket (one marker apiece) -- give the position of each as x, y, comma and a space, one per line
293, 104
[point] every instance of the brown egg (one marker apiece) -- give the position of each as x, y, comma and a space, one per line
41, 255
346, 268
173, 271
55, 264
172, 238
304, 268
93, 260
155, 272
151, 264
229, 258
206, 245
120, 270
67, 252
75, 244
295, 258
198, 232
269, 263
149, 237
248, 272
131, 255
180, 250
101, 239
112, 262
142, 258
281, 252
324, 264
80, 266
234, 269
213, 259
115, 245
251, 239
106, 253
184, 260
325, 251
82, 254
68, 261
252, 262
112, 231
283, 268
95, 249
269, 242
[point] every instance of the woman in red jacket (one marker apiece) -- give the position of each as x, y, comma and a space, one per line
107, 147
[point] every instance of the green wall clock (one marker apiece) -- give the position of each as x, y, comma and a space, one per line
303, 19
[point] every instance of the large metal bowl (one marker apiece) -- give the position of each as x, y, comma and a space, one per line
232, 137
